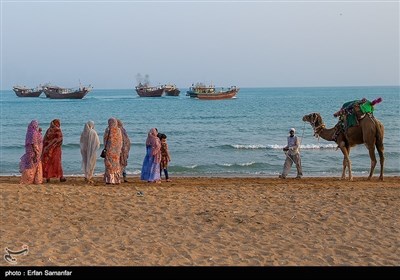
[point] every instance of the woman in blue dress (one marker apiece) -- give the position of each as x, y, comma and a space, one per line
151, 162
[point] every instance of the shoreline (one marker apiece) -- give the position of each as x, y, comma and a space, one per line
203, 222
290, 176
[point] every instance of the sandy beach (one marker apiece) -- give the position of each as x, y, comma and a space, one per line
203, 222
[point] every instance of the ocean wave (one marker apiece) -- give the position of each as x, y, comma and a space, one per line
215, 167
237, 164
71, 146
12, 147
276, 146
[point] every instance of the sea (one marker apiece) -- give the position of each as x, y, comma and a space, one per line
239, 137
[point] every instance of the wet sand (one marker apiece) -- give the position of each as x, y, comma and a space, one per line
203, 222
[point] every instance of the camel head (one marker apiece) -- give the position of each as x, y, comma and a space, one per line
315, 120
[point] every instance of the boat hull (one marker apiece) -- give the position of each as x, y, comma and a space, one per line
152, 93
191, 94
174, 92
216, 95
79, 94
28, 94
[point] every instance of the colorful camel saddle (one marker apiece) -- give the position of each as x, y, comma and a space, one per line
353, 111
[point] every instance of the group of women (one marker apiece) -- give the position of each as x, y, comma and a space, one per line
43, 155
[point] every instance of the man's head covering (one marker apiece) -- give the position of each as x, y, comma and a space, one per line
292, 129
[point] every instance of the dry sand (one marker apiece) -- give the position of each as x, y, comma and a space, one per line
203, 222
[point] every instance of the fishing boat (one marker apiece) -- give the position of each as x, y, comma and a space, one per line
22, 91
200, 88
56, 92
171, 90
144, 90
210, 92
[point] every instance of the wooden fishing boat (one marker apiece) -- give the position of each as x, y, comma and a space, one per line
210, 92
56, 92
22, 91
221, 94
200, 88
149, 91
171, 90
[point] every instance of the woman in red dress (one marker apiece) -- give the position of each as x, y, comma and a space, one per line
51, 157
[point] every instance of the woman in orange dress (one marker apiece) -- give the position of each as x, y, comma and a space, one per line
113, 143
30, 165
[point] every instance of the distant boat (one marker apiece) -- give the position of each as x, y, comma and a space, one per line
202, 91
149, 91
56, 92
199, 88
22, 91
171, 90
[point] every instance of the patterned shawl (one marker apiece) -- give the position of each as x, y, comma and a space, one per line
33, 146
53, 139
113, 144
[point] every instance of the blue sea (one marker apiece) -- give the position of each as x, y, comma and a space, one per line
243, 136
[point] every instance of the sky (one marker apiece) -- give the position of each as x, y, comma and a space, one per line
242, 43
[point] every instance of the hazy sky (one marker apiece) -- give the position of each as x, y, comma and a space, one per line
247, 44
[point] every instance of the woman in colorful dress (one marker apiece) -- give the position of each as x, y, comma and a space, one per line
113, 143
126, 146
151, 162
52, 154
30, 165
89, 143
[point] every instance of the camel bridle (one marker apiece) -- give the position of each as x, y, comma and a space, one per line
314, 121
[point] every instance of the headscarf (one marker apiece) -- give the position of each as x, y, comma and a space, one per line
126, 144
153, 141
113, 136
33, 142
32, 133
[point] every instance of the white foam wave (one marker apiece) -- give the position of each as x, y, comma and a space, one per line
318, 146
279, 147
191, 166
240, 164
249, 146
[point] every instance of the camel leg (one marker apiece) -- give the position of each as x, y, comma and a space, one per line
349, 166
346, 161
372, 156
379, 147
344, 169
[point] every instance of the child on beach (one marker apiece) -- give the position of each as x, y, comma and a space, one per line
165, 156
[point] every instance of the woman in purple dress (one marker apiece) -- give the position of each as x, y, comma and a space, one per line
30, 165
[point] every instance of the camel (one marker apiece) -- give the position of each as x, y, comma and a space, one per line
369, 132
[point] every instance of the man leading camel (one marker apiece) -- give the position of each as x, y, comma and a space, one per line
292, 155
